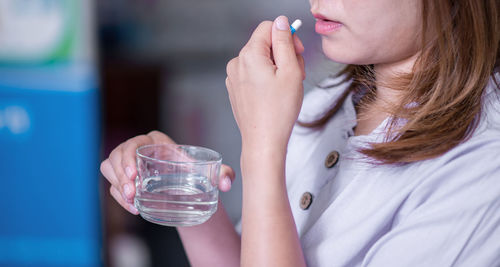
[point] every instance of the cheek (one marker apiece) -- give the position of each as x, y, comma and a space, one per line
373, 43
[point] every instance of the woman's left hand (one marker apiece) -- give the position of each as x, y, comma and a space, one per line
265, 85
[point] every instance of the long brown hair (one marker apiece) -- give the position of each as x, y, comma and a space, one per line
460, 50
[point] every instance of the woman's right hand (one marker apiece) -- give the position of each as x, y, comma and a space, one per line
120, 169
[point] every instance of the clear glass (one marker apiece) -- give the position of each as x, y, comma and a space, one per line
177, 184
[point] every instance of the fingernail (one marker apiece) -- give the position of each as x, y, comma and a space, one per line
128, 171
127, 191
282, 23
227, 181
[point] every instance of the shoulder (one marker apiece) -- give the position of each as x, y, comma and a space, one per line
482, 150
464, 178
455, 200
477, 157
477, 160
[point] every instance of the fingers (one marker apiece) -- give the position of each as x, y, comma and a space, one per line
117, 196
299, 47
283, 46
124, 184
260, 41
120, 168
123, 161
272, 42
109, 174
226, 178
128, 156
160, 138
300, 59
231, 69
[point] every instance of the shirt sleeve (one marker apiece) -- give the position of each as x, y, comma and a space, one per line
454, 219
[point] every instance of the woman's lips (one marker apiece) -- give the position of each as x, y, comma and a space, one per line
326, 26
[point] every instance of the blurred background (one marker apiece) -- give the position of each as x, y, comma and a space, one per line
79, 77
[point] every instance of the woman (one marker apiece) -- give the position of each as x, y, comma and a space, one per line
394, 162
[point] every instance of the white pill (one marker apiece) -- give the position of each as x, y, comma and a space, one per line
296, 24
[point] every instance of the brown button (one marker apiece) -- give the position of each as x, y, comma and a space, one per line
332, 159
306, 200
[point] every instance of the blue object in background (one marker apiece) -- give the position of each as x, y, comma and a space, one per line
49, 135
49, 156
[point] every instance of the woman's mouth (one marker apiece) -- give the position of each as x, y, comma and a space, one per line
326, 26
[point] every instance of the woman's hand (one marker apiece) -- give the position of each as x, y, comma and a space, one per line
265, 85
120, 169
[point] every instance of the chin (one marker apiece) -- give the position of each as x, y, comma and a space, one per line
344, 54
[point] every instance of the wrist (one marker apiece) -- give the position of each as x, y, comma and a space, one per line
263, 147
263, 155
263, 167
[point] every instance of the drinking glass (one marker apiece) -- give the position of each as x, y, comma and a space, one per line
176, 185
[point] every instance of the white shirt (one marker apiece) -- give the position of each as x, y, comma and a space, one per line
438, 212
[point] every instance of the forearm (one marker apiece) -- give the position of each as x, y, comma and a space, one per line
213, 243
269, 235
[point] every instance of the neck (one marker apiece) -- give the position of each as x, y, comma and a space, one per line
370, 116
384, 73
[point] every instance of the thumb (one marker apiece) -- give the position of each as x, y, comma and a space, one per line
283, 45
226, 178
